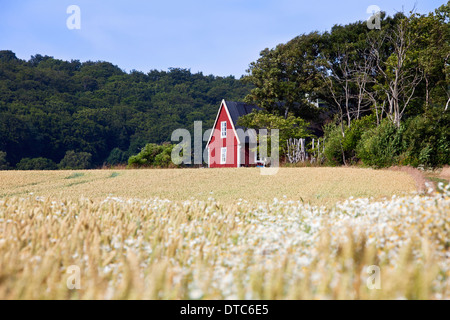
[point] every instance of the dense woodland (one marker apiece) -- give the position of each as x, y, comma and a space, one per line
384, 93
49, 107
383, 99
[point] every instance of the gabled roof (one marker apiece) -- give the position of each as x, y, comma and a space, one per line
239, 109
235, 110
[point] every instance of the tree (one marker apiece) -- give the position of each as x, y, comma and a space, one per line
117, 156
4, 165
50, 106
75, 161
290, 127
344, 70
399, 75
286, 78
339, 80
36, 164
347, 70
153, 155
7, 56
432, 34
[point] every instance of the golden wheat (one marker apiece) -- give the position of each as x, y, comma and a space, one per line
313, 185
160, 249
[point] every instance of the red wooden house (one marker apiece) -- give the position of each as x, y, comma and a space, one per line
227, 147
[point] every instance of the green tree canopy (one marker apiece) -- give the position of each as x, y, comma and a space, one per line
76, 160
50, 106
36, 164
290, 127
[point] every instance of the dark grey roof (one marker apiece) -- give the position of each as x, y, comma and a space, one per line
239, 109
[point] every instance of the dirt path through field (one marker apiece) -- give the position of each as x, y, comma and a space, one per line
445, 173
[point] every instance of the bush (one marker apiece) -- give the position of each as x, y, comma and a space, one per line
117, 156
290, 127
337, 146
75, 161
420, 141
333, 144
4, 165
164, 159
381, 146
426, 138
153, 155
36, 164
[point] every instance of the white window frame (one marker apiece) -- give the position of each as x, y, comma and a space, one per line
223, 133
223, 152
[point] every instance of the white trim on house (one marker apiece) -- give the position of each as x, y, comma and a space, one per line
232, 124
223, 104
239, 148
209, 157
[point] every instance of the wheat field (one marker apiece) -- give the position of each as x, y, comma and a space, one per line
127, 241
311, 185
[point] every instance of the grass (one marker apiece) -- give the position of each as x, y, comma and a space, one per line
114, 175
75, 175
320, 186
441, 184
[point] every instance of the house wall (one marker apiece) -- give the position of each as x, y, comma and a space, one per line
217, 143
249, 157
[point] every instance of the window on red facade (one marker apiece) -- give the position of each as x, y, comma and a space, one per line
223, 155
223, 129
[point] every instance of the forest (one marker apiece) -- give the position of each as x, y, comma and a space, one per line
93, 113
378, 97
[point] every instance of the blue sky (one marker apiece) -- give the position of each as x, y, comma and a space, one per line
219, 37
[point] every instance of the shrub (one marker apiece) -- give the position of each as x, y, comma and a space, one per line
420, 141
36, 164
75, 161
146, 157
290, 127
337, 146
4, 165
334, 144
381, 146
117, 156
426, 138
164, 159
153, 155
